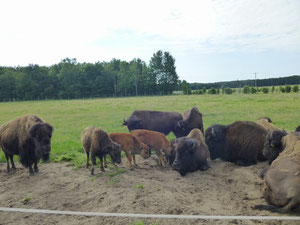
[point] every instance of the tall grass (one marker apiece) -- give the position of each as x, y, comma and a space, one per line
70, 117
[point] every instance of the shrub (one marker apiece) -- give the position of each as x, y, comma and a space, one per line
273, 89
252, 90
212, 91
228, 91
282, 89
265, 90
295, 88
246, 89
288, 88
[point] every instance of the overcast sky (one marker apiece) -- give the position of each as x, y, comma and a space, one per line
211, 40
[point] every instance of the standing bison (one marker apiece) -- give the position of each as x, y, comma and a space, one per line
191, 119
191, 153
282, 179
241, 142
97, 143
29, 137
163, 122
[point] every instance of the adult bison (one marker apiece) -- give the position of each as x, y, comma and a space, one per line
29, 137
163, 122
96, 142
282, 179
191, 119
191, 153
266, 123
241, 142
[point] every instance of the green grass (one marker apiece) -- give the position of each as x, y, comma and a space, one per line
70, 117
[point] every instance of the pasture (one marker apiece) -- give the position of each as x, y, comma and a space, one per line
225, 189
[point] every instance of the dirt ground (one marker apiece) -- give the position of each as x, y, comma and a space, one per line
225, 189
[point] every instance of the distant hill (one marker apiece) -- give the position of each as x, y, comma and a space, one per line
295, 79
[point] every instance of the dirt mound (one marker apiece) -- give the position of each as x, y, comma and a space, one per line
224, 189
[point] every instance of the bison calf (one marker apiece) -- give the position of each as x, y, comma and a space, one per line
241, 142
191, 153
282, 179
97, 143
29, 137
156, 141
131, 146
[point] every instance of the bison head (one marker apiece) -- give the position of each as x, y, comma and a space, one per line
214, 138
273, 145
41, 133
114, 151
185, 149
145, 152
133, 123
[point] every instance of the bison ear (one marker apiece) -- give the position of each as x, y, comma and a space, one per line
33, 130
51, 128
124, 122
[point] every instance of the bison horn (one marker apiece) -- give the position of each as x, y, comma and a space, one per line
213, 132
124, 122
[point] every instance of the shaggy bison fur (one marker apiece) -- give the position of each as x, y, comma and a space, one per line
241, 142
97, 143
191, 119
282, 179
266, 123
191, 153
29, 137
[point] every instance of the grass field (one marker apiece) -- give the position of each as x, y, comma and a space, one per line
70, 117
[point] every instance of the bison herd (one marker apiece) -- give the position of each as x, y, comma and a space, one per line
242, 142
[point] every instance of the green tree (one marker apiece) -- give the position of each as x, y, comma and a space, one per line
185, 87
265, 90
295, 88
288, 88
246, 89
252, 90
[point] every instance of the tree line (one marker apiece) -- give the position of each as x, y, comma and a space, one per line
290, 80
70, 79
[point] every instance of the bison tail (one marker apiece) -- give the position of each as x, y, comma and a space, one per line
271, 208
124, 122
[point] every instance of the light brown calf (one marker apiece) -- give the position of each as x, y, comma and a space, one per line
157, 141
131, 146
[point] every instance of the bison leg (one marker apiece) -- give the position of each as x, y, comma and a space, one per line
93, 158
35, 167
87, 159
101, 162
161, 158
7, 162
288, 206
134, 162
30, 169
128, 155
12, 162
105, 163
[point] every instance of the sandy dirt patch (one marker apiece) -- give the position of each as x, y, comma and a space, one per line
225, 189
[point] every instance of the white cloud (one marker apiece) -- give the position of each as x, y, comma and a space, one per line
44, 32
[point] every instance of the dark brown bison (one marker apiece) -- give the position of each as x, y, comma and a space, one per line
163, 122
97, 143
191, 153
273, 144
241, 142
156, 141
131, 145
266, 123
29, 137
298, 129
191, 119
282, 179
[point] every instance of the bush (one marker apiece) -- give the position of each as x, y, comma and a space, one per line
212, 91
273, 89
228, 91
282, 89
265, 90
253, 90
246, 89
295, 88
288, 88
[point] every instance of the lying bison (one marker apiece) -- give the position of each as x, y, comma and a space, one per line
131, 146
191, 119
163, 122
191, 153
156, 141
29, 137
97, 143
282, 179
266, 123
241, 142
273, 145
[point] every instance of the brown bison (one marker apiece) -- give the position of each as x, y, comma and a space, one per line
131, 146
298, 129
163, 122
156, 141
273, 144
266, 123
241, 142
29, 137
282, 179
191, 119
97, 143
191, 153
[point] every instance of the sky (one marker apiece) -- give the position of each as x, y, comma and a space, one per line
211, 40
